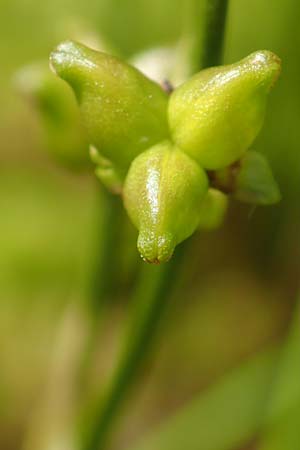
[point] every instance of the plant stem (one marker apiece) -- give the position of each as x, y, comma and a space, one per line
154, 288
104, 270
213, 35
149, 302
74, 349
105, 266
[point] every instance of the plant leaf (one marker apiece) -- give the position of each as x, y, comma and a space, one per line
223, 417
283, 415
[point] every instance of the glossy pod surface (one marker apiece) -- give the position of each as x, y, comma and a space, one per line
162, 194
161, 152
215, 116
123, 111
212, 210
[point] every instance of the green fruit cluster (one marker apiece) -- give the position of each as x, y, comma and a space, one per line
171, 156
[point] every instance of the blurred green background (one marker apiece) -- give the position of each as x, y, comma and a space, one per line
240, 282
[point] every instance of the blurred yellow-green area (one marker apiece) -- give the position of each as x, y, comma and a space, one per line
239, 283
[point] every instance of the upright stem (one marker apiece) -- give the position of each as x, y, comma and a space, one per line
149, 302
214, 29
154, 288
204, 29
75, 344
105, 265
104, 269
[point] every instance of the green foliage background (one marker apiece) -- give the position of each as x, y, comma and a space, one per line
240, 282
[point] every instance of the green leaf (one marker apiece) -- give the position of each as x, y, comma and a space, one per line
283, 415
223, 417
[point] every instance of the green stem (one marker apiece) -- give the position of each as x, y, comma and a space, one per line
150, 300
104, 271
74, 349
214, 29
105, 266
154, 288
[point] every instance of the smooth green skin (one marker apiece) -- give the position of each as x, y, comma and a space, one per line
59, 113
106, 172
162, 194
213, 119
215, 116
123, 111
255, 182
212, 210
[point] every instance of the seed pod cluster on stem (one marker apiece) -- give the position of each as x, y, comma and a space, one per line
173, 158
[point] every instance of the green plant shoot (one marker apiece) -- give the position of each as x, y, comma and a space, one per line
173, 159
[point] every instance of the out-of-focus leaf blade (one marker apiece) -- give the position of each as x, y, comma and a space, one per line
283, 415
223, 417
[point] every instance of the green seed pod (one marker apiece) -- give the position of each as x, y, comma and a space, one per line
59, 112
215, 116
106, 172
163, 192
212, 210
254, 182
124, 112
